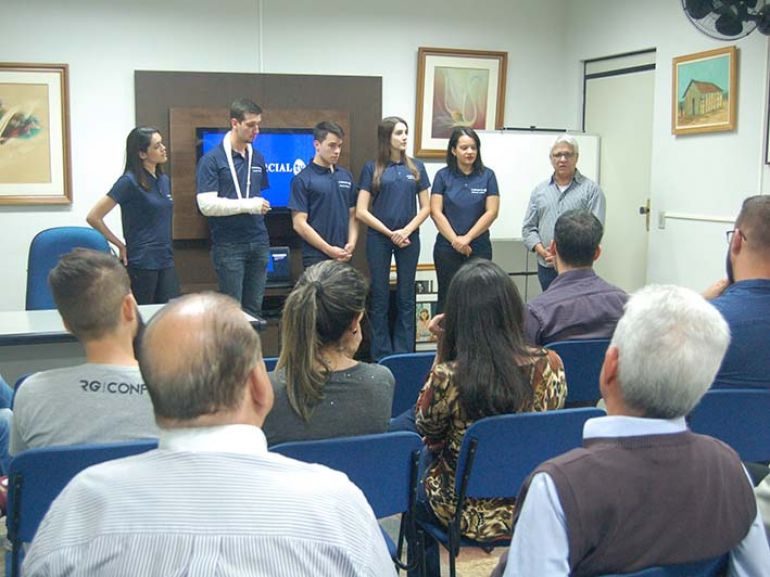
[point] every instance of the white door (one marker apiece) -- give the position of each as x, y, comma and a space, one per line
619, 108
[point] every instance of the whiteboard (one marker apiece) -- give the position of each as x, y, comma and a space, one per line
521, 162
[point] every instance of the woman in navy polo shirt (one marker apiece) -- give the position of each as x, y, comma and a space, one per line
144, 196
390, 189
463, 204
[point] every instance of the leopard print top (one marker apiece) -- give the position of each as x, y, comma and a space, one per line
441, 420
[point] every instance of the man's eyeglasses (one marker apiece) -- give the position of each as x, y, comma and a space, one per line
729, 234
564, 155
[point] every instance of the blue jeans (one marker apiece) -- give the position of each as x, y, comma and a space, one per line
242, 273
6, 394
5, 434
546, 276
379, 250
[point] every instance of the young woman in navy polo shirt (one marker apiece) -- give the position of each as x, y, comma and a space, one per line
144, 196
390, 189
463, 204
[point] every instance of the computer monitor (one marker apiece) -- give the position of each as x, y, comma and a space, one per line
286, 152
279, 267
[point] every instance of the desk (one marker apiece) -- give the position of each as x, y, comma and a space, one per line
32, 341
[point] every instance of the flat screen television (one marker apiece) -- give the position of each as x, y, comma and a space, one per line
286, 152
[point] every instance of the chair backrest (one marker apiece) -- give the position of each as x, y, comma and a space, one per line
709, 568
410, 371
582, 364
383, 466
16, 386
37, 477
270, 363
498, 453
46, 249
739, 417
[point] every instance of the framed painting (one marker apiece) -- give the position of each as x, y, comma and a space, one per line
457, 88
704, 92
34, 134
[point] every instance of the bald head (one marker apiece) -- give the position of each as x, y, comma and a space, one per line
196, 357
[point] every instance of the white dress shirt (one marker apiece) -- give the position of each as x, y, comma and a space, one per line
210, 501
540, 544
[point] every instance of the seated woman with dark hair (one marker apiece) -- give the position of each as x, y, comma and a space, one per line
483, 368
321, 391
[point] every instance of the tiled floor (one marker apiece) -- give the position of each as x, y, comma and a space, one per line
472, 562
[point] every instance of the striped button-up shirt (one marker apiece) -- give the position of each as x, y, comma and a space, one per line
547, 203
189, 508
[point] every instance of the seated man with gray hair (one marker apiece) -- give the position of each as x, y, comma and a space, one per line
210, 500
643, 490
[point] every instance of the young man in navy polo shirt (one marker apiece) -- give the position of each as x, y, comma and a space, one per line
323, 199
230, 178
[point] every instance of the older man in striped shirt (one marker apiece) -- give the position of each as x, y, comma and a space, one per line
567, 189
210, 500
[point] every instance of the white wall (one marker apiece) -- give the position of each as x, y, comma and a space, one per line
105, 41
707, 174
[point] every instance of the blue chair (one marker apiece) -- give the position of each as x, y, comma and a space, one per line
46, 249
739, 417
383, 466
583, 361
16, 386
270, 363
497, 455
38, 476
410, 371
708, 568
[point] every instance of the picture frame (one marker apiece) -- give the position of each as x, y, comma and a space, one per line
34, 134
422, 334
704, 92
422, 287
457, 88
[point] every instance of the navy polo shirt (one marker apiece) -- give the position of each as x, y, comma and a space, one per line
146, 217
214, 176
745, 305
465, 198
326, 196
395, 205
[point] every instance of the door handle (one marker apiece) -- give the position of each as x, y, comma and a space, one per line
645, 211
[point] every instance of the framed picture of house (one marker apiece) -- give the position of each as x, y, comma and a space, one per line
457, 88
704, 92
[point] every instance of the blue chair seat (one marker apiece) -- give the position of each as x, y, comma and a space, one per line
738, 417
410, 371
383, 466
37, 476
583, 359
707, 568
46, 249
497, 455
